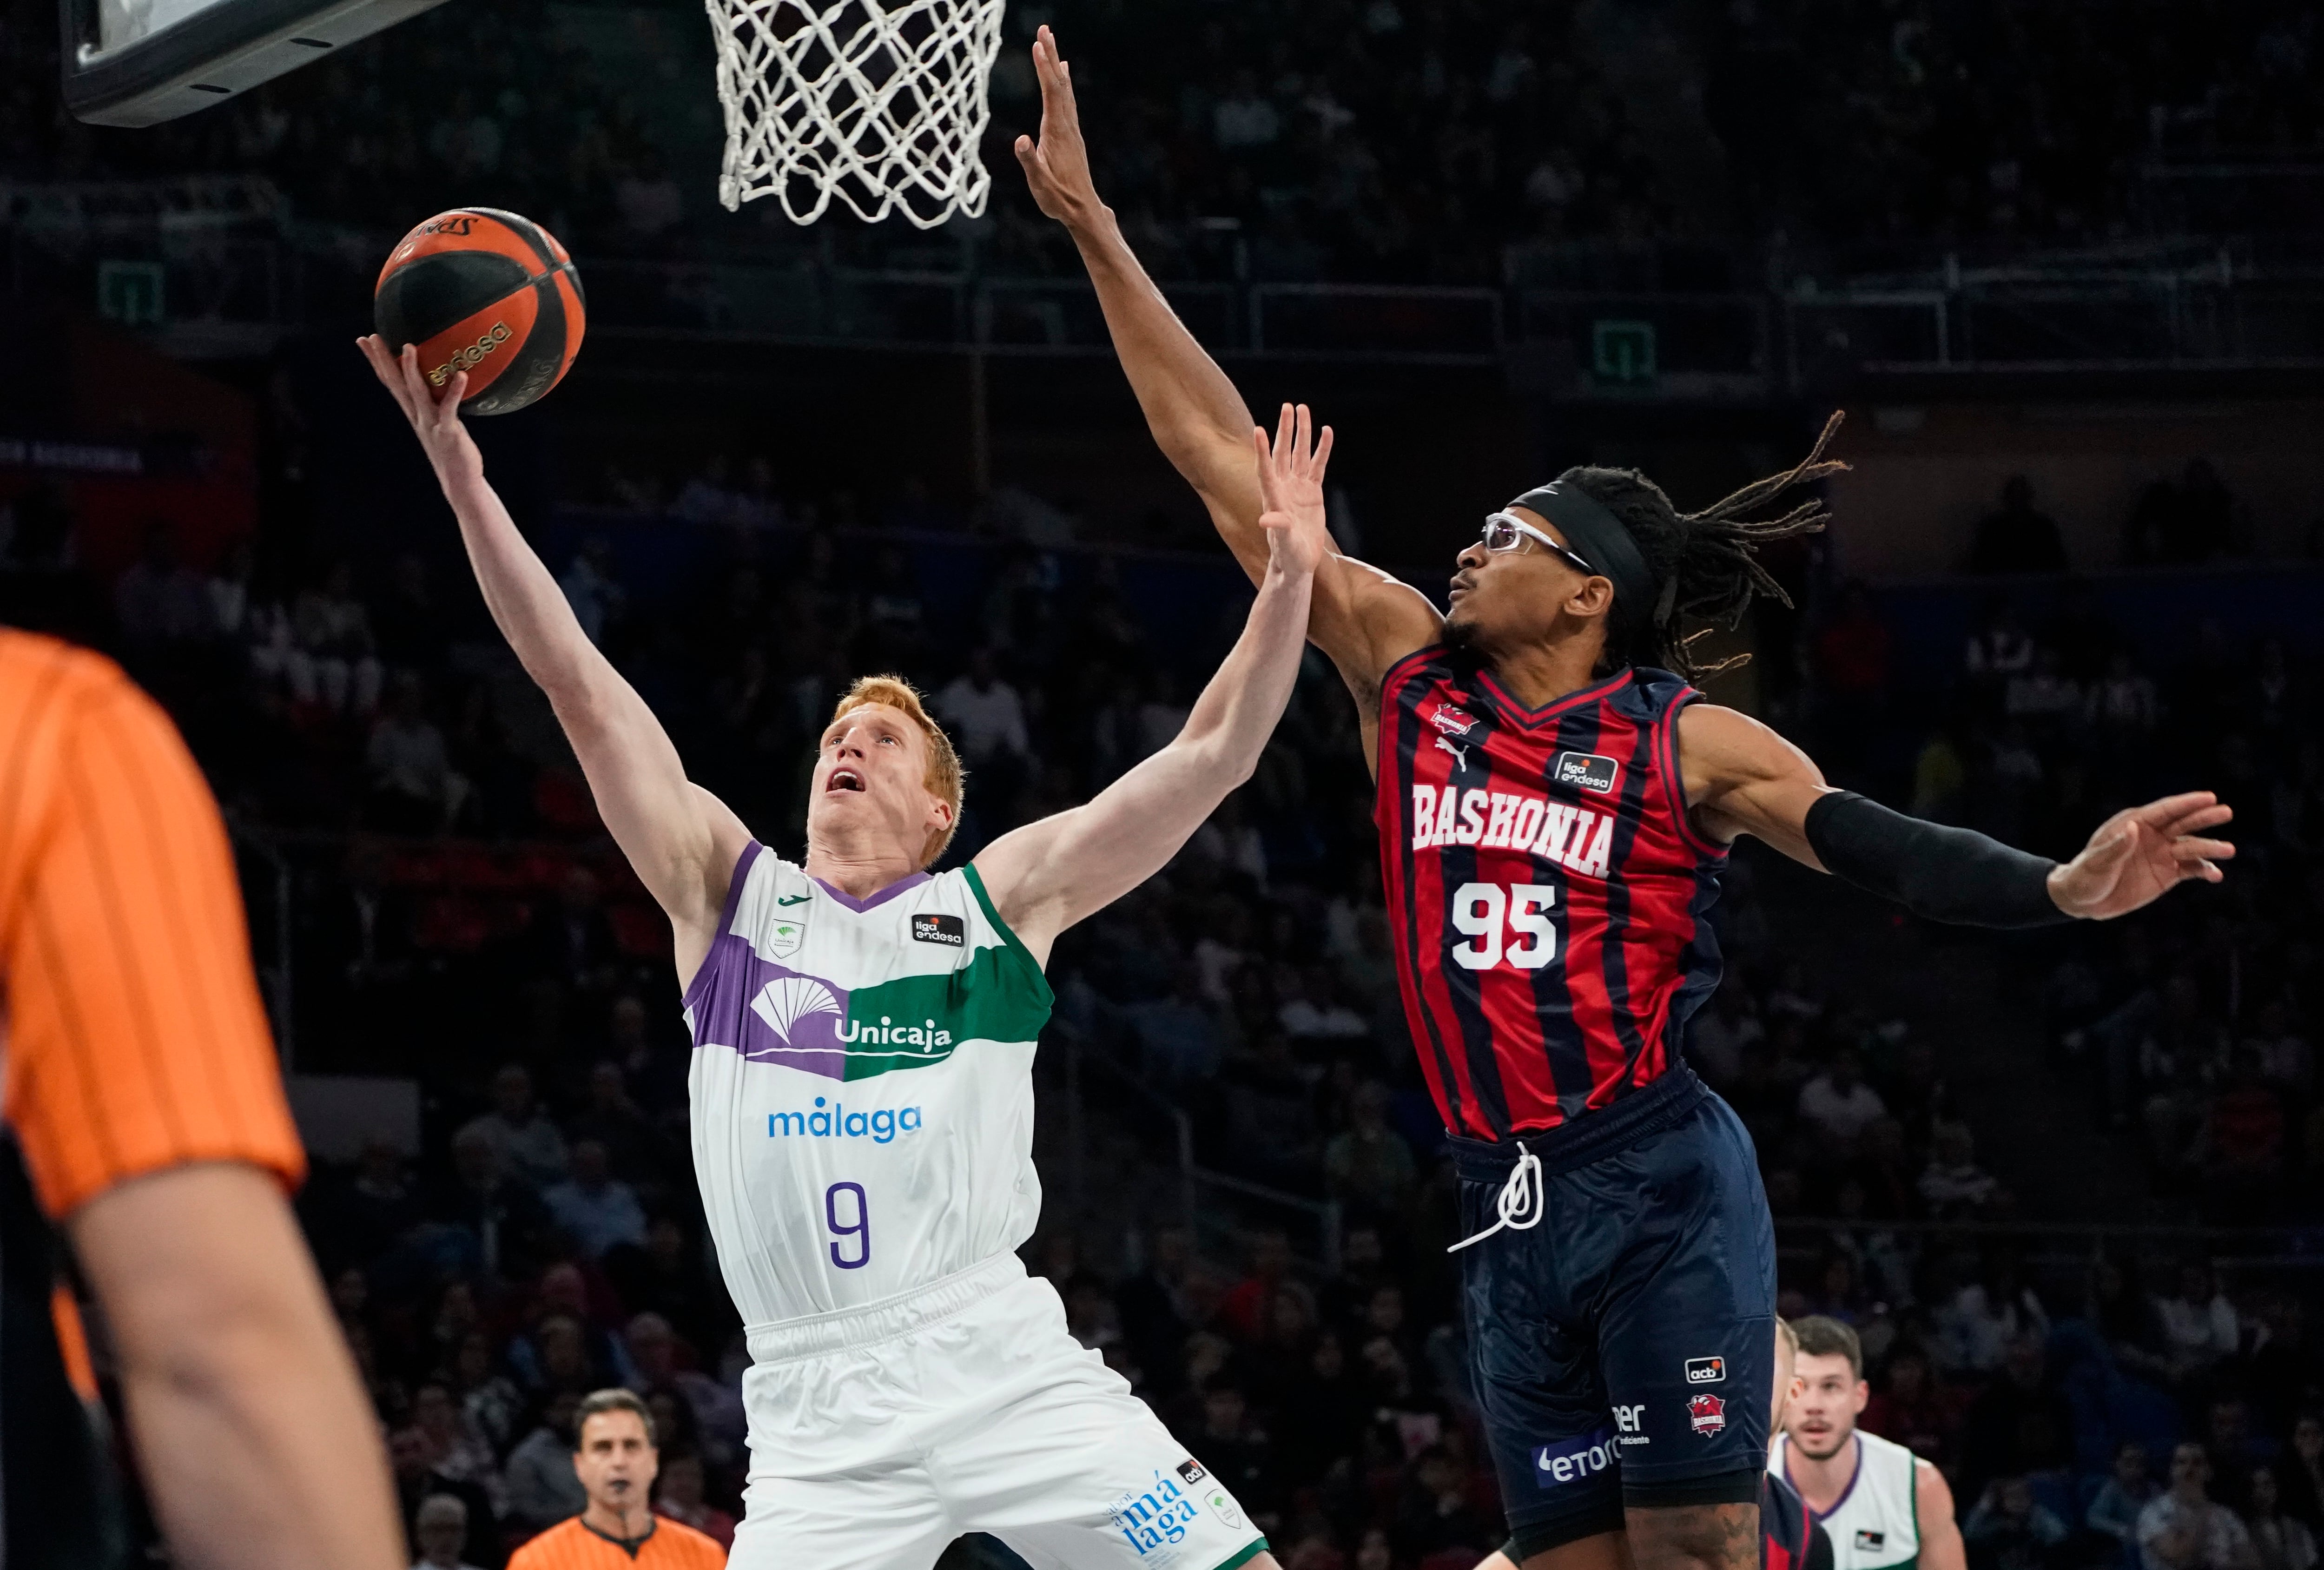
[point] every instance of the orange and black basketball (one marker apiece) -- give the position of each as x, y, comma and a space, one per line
487, 293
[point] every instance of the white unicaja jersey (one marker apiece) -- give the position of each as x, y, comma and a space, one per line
861, 1087
1876, 1524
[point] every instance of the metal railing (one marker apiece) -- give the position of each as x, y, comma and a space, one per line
91, 206
1052, 315
2220, 193
1376, 321
217, 266
810, 303
1206, 1197
2060, 318
1703, 344
274, 921
2068, 1246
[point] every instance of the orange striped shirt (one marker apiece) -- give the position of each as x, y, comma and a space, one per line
129, 1015
570, 1546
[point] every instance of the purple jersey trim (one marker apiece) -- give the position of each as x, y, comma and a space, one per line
882, 897
1855, 1473
743, 866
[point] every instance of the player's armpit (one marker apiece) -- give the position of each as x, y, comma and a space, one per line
1047, 875
1742, 778
1365, 620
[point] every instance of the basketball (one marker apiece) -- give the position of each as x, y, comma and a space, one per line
487, 293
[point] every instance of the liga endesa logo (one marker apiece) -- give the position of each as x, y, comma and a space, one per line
465, 356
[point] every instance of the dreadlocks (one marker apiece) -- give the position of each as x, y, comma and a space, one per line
1706, 563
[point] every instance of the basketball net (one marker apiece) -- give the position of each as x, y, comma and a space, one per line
879, 103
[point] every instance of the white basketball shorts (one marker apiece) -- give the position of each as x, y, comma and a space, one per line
878, 1435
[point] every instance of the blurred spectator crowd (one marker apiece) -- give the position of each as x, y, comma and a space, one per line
1407, 140
2188, 1027
1996, 123
457, 917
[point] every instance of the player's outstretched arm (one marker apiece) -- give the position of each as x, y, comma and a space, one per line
1047, 875
1742, 778
1365, 620
682, 841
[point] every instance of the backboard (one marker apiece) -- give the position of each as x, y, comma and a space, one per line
139, 62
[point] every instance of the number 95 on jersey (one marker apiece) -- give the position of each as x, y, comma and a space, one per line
1504, 924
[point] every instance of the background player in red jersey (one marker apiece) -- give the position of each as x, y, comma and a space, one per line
1555, 811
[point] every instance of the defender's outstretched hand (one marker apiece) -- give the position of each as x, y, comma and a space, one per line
1291, 482
2142, 853
1057, 166
436, 420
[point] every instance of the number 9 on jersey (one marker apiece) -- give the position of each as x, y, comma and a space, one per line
842, 1231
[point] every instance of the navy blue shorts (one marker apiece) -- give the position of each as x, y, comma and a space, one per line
1623, 1348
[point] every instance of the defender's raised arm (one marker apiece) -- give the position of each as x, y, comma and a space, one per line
1364, 619
682, 841
1049, 875
1198, 418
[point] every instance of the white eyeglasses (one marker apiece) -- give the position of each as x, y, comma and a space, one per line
1506, 532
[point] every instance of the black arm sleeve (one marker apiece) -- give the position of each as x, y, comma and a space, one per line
1946, 874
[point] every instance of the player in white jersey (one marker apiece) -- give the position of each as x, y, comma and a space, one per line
1884, 1506
862, 1081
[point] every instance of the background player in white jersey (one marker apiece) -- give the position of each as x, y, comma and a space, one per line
862, 1092
1883, 1505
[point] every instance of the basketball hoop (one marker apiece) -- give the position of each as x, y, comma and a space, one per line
879, 103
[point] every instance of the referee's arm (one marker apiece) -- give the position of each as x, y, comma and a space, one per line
251, 1433
142, 1086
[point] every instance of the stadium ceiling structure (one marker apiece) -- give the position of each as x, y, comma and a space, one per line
140, 62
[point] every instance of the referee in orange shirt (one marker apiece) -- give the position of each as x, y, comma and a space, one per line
142, 1113
614, 1456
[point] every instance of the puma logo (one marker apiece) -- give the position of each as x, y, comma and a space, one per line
1460, 753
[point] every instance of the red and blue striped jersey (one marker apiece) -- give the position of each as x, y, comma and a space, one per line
1789, 1536
1550, 902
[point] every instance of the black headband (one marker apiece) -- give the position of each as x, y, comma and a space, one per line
1599, 538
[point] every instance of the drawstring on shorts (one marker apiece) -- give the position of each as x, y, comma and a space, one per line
1521, 1201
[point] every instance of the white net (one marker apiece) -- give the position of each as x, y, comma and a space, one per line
879, 103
